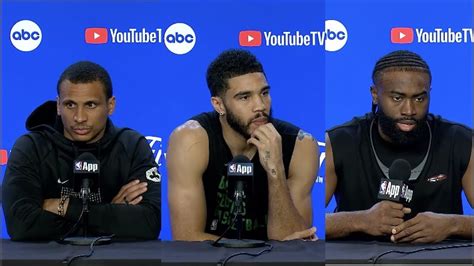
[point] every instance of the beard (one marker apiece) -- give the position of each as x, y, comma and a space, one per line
242, 127
389, 127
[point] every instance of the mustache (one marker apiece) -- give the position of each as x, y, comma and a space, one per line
81, 127
261, 115
407, 119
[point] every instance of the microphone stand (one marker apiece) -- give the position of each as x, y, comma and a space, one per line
85, 192
239, 195
85, 240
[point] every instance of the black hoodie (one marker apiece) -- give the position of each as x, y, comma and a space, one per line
41, 167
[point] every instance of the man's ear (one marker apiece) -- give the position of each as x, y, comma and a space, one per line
374, 93
111, 105
218, 105
58, 104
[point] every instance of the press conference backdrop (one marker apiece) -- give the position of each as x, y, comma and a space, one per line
160, 83
158, 89
372, 33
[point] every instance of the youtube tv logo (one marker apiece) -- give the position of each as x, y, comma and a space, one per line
96, 35
332, 38
250, 38
402, 35
3, 157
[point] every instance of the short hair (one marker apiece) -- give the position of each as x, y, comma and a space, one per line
86, 72
400, 60
230, 63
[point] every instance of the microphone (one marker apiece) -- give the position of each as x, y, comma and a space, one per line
395, 188
239, 171
86, 169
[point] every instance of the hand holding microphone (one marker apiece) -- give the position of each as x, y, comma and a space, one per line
383, 217
425, 227
394, 193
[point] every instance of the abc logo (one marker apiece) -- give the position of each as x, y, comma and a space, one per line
336, 35
25, 35
180, 38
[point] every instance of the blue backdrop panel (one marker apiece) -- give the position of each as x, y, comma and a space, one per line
369, 24
156, 89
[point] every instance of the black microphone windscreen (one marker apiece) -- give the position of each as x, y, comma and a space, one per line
400, 170
239, 167
86, 163
240, 159
86, 156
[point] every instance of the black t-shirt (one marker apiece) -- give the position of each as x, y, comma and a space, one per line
219, 201
437, 189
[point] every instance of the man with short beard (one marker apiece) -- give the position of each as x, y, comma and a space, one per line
359, 153
285, 161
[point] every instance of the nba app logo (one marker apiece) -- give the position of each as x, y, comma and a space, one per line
25, 35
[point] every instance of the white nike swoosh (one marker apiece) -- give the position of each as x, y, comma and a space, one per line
62, 182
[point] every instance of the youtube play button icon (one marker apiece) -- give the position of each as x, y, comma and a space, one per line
3, 157
250, 38
401, 35
96, 35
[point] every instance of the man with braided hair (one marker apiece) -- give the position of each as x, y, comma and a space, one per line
399, 126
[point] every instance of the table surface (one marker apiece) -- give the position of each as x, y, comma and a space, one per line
342, 252
202, 253
167, 253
